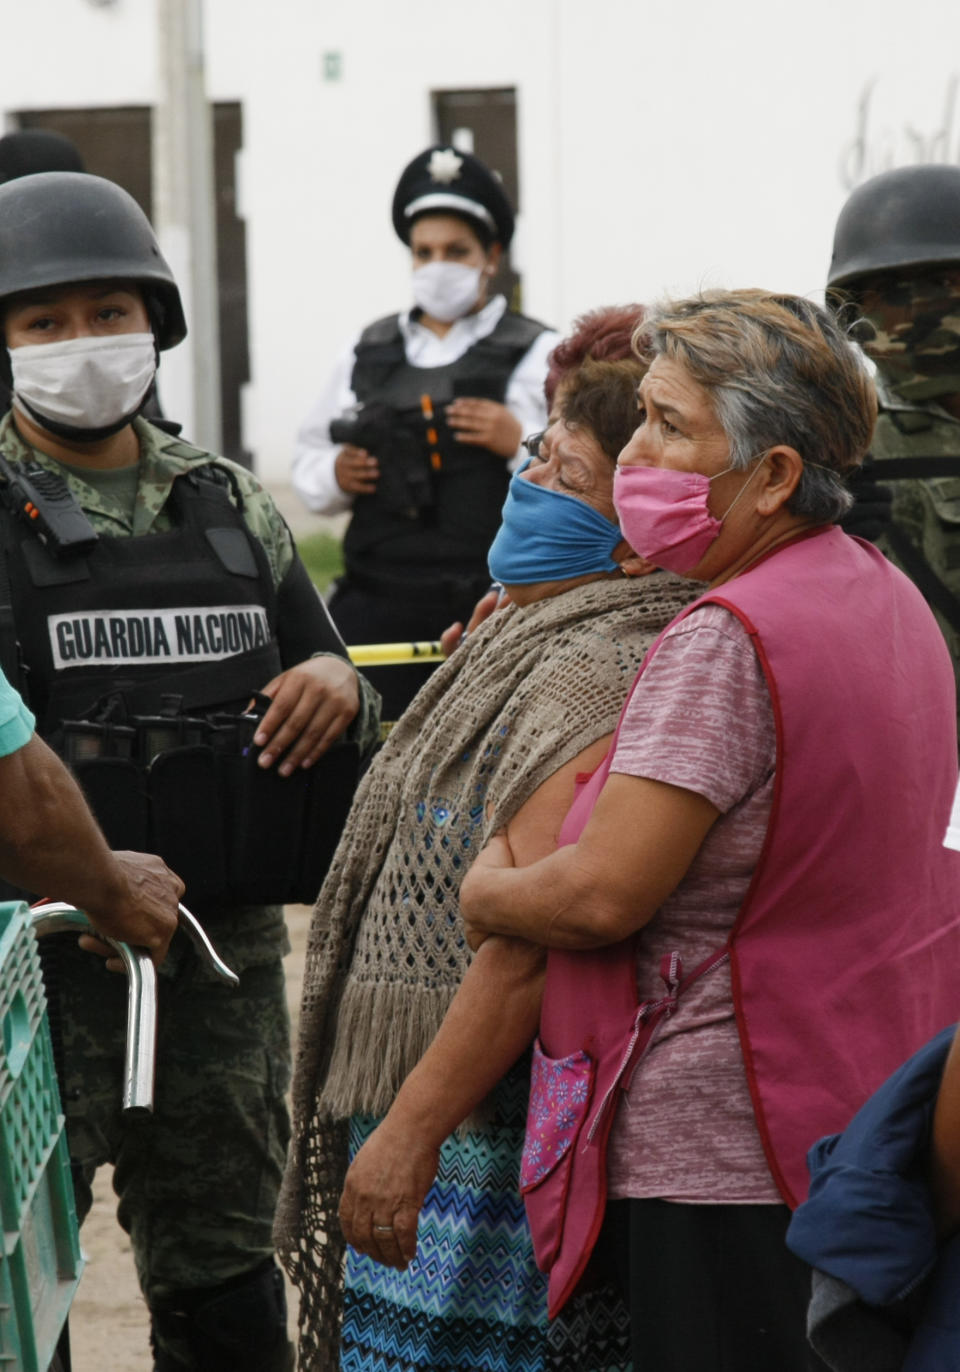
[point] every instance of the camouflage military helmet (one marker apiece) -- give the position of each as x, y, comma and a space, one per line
57, 228
909, 217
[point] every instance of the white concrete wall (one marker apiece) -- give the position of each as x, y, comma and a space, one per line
662, 146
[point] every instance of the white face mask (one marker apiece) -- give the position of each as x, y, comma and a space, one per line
447, 290
84, 385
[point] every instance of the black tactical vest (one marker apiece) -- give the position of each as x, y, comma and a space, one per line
190, 612
447, 525
139, 659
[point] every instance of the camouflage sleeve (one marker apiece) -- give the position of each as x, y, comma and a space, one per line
365, 729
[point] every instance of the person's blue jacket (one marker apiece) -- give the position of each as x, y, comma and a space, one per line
886, 1295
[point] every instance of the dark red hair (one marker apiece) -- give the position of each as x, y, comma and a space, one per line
603, 335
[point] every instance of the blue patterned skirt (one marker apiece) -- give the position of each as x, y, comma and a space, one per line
473, 1300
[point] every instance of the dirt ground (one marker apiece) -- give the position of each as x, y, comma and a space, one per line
109, 1325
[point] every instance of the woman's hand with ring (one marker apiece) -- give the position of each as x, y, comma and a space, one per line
384, 1193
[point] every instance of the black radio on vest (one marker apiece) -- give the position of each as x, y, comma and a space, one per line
43, 501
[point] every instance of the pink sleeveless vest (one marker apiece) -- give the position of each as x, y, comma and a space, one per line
845, 956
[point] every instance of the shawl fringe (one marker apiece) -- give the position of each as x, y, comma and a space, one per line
381, 1031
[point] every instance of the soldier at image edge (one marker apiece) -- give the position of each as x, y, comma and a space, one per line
895, 275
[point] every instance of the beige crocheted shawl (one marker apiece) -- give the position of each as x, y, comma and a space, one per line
527, 692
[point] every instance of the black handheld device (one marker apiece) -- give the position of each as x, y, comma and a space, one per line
43, 500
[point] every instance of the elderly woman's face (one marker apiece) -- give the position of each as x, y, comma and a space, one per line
677, 425
572, 462
679, 430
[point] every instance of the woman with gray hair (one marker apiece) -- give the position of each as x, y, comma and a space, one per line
751, 919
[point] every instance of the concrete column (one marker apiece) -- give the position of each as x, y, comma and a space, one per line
184, 214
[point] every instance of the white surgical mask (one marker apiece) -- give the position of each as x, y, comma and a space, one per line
447, 290
84, 387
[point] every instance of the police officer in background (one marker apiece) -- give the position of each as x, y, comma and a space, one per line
148, 591
896, 270
422, 420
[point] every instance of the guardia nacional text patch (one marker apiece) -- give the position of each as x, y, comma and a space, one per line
141, 637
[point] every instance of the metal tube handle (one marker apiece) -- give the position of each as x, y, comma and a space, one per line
139, 1070
196, 933
139, 1066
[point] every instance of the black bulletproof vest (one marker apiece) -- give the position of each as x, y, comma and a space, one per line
190, 612
451, 531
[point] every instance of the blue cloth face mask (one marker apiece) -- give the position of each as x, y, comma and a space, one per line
549, 536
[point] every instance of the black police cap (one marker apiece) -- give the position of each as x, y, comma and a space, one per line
442, 180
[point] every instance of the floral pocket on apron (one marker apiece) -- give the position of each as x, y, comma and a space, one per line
560, 1094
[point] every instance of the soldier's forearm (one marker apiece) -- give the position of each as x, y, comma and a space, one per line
49, 841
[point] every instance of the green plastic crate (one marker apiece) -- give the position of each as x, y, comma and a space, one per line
40, 1262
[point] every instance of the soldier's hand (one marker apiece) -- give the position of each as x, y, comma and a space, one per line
312, 704
485, 423
142, 910
356, 471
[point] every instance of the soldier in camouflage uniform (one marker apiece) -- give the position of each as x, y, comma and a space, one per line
81, 276
896, 271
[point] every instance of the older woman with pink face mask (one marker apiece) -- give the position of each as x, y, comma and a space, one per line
750, 917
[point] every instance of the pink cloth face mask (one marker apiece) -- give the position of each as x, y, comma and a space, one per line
664, 516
